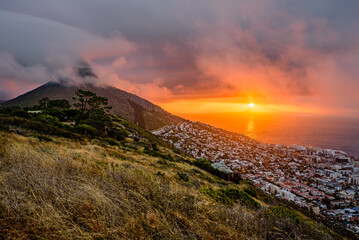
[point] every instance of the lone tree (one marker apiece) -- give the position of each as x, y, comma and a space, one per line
89, 104
44, 103
82, 99
92, 111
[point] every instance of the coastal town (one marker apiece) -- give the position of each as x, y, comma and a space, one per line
325, 181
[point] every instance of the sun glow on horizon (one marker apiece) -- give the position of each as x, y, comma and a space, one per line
212, 106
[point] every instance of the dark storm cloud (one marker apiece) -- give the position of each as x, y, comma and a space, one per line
186, 47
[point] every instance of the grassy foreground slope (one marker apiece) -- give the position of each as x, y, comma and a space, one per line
89, 189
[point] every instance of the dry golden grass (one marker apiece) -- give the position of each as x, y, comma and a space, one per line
68, 190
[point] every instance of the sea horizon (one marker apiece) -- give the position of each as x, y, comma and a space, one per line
323, 131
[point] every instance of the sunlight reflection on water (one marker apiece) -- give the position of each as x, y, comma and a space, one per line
323, 131
251, 128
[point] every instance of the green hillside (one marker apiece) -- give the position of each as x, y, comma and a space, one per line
124, 104
56, 183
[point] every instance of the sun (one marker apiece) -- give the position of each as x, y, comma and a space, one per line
251, 105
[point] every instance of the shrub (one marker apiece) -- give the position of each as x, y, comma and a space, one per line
21, 122
48, 119
183, 176
159, 173
207, 166
110, 141
230, 196
56, 113
281, 212
86, 129
70, 113
6, 110
162, 161
100, 122
259, 194
159, 155
154, 147
117, 134
176, 150
20, 113
40, 127
43, 137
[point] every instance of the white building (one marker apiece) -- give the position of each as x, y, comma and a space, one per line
287, 195
353, 179
273, 188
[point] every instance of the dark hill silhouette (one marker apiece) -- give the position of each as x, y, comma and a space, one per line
124, 104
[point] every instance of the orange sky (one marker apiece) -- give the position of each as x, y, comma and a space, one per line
192, 106
191, 56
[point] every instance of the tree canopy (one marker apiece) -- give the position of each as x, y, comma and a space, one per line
89, 104
46, 103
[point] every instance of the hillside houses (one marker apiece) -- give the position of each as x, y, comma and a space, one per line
304, 175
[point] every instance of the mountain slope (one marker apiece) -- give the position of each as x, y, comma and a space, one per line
124, 104
61, 188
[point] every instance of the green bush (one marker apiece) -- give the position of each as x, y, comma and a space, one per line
86, 129
48, 119
259, 194
67, 134
281, 212
183, 176
40, 127
56, 113
118, 134
230, 196
21, 122
154, 147
20, 113
207, 166
160, 155
70, 114
6, 110
110, 141
176, 150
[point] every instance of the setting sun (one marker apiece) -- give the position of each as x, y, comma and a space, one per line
251, 105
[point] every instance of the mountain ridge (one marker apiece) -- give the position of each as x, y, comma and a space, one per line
124, 104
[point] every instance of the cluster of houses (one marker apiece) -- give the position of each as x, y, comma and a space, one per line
325, 181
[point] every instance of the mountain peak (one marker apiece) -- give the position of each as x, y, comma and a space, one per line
85, 72
124, 104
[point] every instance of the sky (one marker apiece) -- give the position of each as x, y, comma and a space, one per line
190, 56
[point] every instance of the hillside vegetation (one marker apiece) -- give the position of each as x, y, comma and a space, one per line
124, 104
61, 188
115, 180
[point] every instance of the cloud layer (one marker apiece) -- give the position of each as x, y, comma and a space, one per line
273, 51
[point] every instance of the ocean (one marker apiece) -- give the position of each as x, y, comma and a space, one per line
341, 133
